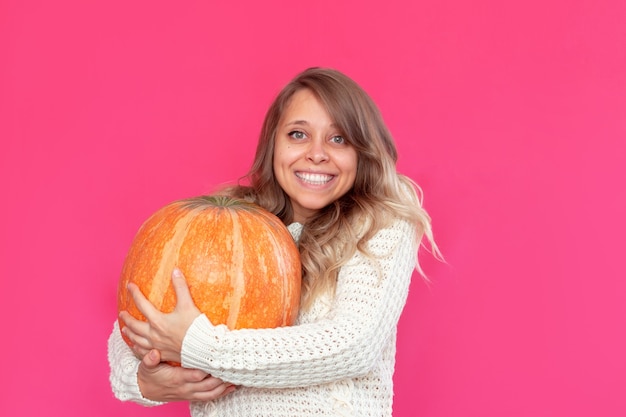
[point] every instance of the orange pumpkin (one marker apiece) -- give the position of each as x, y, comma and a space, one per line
240, 261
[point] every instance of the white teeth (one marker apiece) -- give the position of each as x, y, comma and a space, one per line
315, 179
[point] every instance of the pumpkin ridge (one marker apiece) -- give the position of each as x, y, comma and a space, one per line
290, 296
282, 274
170, 252
237, 277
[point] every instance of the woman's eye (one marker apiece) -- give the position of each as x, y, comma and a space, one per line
296, 134
338, 140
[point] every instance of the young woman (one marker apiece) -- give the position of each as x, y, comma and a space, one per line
325, 165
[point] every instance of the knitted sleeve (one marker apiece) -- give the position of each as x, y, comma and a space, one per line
345, 343
124, 367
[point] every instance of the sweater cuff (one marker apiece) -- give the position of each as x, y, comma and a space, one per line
124, 368
134, 393
200, 344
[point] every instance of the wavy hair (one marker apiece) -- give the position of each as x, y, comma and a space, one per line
379, 196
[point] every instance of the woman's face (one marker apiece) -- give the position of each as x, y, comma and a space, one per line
313, 163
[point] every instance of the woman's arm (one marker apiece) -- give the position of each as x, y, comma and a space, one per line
150, 382
124, 367
370, 296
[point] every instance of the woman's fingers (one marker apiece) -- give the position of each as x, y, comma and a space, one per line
139, 344
140, 352
161, 382
135, 329
162, 331
183, 296
185, 311
211, 389
143, 304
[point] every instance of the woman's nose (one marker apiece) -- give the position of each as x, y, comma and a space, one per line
317, 152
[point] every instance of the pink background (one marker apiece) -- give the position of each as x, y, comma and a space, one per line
511, 115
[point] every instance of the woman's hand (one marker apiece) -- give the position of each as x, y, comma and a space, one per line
164, 332
165, 383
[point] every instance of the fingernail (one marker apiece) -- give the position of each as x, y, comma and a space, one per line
177, 273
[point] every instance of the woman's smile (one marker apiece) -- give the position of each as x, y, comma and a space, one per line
314, 179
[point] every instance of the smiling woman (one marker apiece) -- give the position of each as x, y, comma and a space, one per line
325, 165
313, 163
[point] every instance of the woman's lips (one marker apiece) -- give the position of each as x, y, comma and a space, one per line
313, 178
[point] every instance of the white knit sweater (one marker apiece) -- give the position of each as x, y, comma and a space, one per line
337, 360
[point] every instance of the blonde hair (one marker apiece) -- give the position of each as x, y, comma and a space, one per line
379, 196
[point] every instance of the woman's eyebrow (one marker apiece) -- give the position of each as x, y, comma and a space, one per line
297, 122
304, 123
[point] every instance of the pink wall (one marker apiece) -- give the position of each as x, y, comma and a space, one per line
512, 116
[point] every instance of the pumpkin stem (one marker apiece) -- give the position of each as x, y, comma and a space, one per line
218, 201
